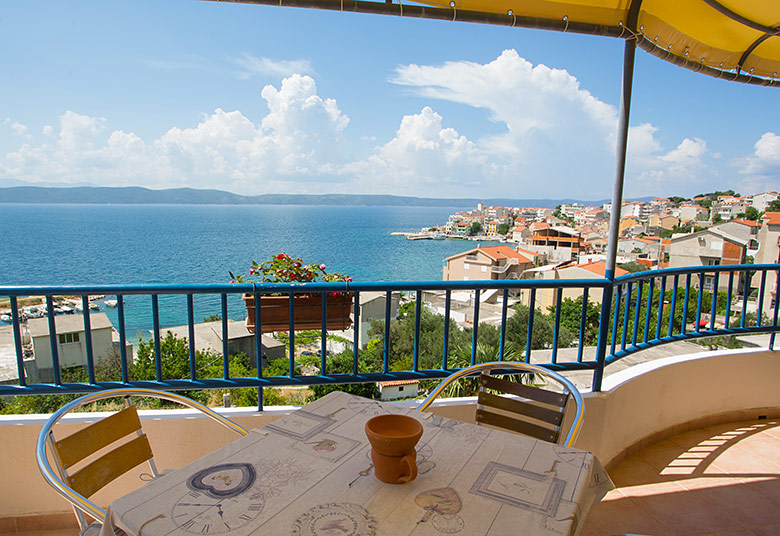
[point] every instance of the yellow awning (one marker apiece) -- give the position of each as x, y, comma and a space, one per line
736, 39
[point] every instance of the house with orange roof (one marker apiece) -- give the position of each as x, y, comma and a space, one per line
761, 201
520, 232
744, 229
691, 212
625, 223
486, 263
709, 247
768, 253
642, 246
557, 242
662, 221
567, 270
728, 207
395, 389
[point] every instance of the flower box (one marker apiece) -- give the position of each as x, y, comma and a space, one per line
275, 312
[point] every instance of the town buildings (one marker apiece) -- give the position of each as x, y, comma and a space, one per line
708, 230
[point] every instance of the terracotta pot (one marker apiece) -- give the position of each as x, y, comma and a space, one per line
392, 439
275, 312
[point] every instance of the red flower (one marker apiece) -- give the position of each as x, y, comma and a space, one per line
280, 256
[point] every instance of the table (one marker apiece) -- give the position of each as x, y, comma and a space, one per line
309, 474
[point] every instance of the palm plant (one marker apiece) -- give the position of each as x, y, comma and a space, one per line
485, 353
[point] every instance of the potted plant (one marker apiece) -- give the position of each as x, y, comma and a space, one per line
274, 308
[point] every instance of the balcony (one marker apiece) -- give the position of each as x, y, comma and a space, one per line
644, 384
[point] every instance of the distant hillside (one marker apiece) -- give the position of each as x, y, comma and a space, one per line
135, 195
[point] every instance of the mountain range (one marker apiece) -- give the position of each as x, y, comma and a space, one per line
135, 195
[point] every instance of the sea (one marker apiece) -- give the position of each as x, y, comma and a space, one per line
46, 244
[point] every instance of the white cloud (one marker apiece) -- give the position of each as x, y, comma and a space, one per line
765, 160
554, 132
424, 158
17, 128
298, 140
551, 138
762, 168
252, 66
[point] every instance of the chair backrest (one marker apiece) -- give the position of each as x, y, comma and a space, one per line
531, 410
77, 447
84, 466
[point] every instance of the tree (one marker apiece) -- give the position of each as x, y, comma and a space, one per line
774, 206
716, 218
752, 214
634, 267
503, 229
543, 330
571, 318
475, 228
341, 363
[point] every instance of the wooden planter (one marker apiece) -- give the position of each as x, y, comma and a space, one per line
275, 312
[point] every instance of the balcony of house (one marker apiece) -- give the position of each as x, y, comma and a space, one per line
688, 432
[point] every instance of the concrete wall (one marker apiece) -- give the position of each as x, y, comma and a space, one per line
638, 406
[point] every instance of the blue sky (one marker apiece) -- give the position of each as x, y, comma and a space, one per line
255, 99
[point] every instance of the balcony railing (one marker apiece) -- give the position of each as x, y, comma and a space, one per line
636, 311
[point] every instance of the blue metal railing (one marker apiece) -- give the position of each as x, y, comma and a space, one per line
637, 311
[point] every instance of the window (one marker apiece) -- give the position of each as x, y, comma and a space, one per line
66, 338
484, 269
466, 266
400, 388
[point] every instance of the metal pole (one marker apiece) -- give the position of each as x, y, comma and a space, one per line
629, 53
620, 156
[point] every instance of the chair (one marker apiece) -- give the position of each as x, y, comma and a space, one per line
89, 476
537, 412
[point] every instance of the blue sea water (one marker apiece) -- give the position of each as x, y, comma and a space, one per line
180, 244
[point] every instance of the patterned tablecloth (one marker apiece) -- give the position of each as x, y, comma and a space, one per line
309, 474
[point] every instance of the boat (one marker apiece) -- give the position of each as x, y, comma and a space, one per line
110, 303
33, 311
6, 318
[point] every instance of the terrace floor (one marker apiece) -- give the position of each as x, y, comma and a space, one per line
721, 480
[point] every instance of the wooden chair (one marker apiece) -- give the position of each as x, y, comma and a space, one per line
530, 410
79, 473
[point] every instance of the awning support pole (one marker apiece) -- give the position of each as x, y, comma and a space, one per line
629, 54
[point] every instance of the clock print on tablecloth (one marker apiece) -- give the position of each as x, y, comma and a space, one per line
221, 499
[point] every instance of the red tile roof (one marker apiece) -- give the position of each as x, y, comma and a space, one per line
394, 383
500, 252
527, 252
598, 267
772, 218
747, 222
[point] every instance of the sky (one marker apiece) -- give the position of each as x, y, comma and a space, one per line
260, 99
